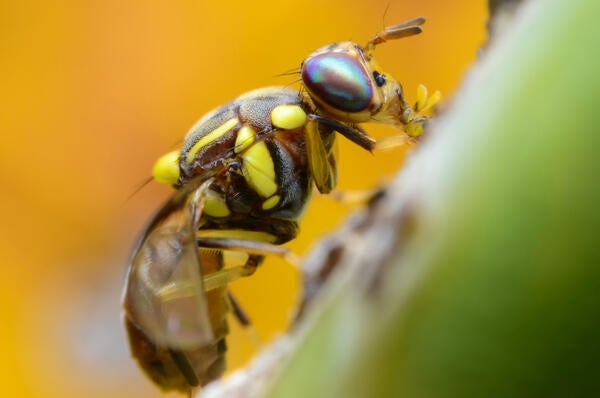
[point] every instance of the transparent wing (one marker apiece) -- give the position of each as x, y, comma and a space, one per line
164, 294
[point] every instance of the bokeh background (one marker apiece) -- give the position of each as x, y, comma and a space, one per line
93, 92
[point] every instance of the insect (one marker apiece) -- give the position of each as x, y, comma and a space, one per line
243, 176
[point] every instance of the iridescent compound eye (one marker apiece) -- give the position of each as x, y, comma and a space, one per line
339, 80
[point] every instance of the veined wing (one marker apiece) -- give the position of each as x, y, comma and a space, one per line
164, 294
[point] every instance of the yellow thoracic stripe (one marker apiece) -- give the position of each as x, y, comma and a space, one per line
236, 234
210, 137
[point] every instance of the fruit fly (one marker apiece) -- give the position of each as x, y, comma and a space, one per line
243, 176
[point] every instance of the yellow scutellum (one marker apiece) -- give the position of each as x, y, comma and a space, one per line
166, 168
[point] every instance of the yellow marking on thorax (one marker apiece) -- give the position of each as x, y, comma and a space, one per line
236, 234
271, 202
210, 137
215, 205
258, 169
166, 169
288, 117
245, 138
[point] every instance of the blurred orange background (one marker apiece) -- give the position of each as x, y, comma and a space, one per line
94, 92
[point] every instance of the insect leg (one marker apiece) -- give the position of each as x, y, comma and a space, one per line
353, 197
354, 133
256, 250
228, 275
394, 141
250, 247
239, 313
243, 319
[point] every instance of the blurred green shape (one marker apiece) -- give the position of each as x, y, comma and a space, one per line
497, 292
